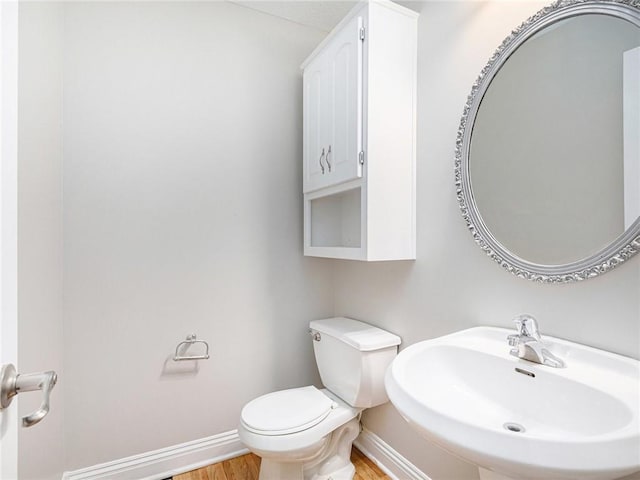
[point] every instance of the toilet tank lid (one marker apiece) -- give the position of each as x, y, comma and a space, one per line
359, 335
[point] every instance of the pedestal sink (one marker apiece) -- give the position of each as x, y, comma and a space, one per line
518, 419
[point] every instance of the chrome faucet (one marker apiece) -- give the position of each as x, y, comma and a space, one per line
528, 345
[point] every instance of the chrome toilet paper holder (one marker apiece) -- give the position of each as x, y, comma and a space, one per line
191, 339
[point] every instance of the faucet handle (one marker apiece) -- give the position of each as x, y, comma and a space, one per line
527, 326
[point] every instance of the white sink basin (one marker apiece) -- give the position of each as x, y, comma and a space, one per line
463, 392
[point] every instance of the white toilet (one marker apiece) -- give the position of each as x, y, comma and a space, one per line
306, 433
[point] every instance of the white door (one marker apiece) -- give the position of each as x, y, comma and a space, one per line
8, 225
345, 103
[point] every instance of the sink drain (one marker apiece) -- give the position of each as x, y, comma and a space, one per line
514, 427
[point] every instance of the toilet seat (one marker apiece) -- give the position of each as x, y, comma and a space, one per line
299, 444
287, 411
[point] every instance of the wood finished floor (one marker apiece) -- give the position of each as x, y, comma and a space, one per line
247, 467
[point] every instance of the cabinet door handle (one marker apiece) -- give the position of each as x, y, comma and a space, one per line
321, 165
328, 162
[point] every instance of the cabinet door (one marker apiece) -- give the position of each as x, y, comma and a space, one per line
332, 86
315, 124
345, 103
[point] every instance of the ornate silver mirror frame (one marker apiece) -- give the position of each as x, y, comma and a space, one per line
621, 249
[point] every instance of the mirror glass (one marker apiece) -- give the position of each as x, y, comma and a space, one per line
554, 153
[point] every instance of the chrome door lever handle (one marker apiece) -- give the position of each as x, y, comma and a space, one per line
12, 383
44, 381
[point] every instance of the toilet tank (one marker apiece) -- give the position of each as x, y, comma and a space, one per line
352, 358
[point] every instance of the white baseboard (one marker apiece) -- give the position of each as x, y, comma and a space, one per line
166, 462
389, 461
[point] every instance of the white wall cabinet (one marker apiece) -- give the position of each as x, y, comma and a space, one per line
359, 128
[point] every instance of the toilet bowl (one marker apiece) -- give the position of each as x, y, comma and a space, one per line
306, 433
321, 426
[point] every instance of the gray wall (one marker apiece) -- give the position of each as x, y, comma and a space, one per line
182, 213
453, 285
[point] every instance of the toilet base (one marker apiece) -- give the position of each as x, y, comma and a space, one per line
332, 461
345, 473
271, 470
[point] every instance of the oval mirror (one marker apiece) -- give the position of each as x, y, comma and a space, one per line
548, 150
